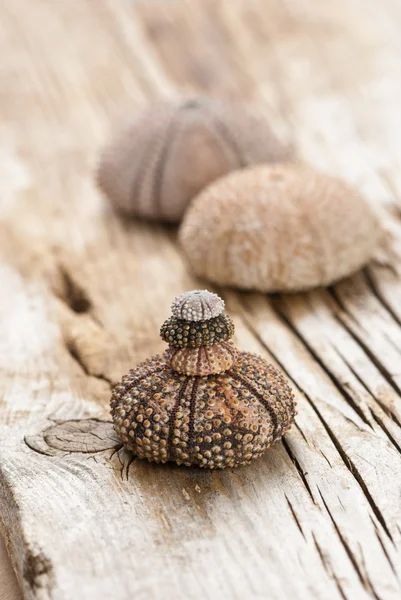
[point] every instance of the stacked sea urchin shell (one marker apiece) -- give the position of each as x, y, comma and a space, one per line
202, 402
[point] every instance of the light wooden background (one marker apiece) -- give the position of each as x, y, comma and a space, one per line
83, 295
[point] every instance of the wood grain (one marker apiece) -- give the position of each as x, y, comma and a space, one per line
84, 293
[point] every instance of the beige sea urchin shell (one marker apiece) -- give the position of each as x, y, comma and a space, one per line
226, 408
198, 305
155, 166
204, 360
278, 228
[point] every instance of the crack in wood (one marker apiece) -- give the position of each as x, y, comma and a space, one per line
328, 568
343, 319
347, 461
75, 354
354, 471
125, 459
298, 467
383, 547
369, 279
386, 431
38, 570
72, 293
298, 427
364, 579
294, 514
341, 388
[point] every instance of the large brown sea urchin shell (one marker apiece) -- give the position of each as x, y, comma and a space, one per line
203, 402
218, 421
204, 360
170, 152
278, 228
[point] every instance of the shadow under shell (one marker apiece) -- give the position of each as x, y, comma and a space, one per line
215, 421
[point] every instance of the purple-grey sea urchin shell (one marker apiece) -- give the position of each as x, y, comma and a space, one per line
197, 305
217, 421
171, 151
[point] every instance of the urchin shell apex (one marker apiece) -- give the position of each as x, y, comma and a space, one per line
198, 305
210, 405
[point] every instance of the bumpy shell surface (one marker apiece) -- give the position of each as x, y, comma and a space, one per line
192, 334
218, 421
197, 305
159, 162
278, 228
206, 360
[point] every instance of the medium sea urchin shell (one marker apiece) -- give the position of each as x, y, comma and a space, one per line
159, 162
192, 334
198, 305
202, 361
210, 406
278, 228
218, 421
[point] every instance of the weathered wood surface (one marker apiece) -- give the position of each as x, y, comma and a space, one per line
83, 294
8, 582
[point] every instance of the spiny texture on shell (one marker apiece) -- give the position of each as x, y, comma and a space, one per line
160, 161
192, 334
278, 228
202, 361
197, 305
218, 421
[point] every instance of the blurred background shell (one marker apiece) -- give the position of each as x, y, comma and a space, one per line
278, 228
171, 151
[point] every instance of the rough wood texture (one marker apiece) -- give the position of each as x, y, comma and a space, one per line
84, 293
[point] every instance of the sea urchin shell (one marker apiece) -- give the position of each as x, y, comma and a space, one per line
171, 151
192, 334
209, 406
218, 421
278, 228
198, 305
203, 360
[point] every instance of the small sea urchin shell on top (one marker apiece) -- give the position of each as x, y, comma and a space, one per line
278, 228
198, 305
171, 151
209, 406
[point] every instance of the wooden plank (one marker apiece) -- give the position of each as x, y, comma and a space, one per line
84, 294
